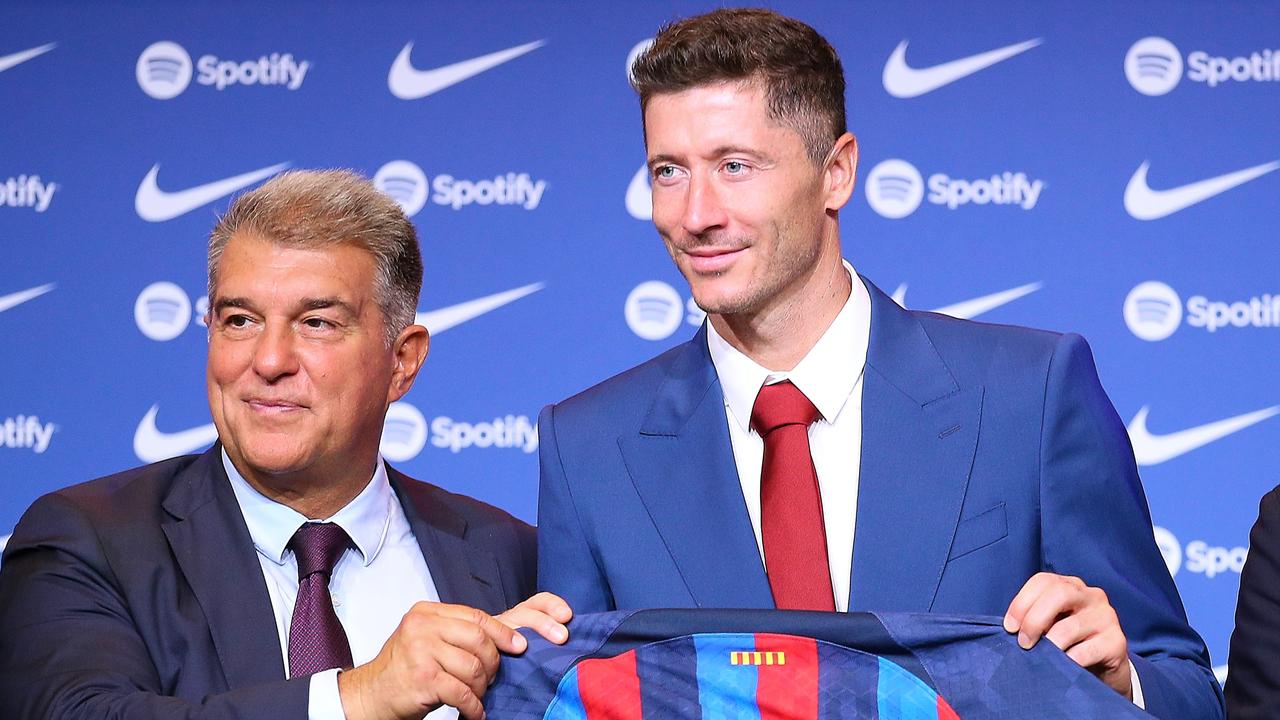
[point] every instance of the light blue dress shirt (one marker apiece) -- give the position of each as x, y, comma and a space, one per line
373, 585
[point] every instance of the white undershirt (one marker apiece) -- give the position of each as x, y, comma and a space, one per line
830, 375
373, 584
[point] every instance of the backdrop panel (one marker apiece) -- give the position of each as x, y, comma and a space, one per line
1101, 168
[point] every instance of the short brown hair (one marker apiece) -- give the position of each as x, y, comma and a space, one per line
799, 70
318, 208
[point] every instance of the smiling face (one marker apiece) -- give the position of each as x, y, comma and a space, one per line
300, 373
748, 218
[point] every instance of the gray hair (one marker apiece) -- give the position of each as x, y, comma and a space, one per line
319, 208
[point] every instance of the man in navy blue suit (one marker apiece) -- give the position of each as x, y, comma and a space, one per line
816, 446
288, 572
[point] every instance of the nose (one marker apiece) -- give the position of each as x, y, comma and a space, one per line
274, 354
703, 209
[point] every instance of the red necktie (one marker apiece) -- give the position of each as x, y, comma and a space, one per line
795, 538
316, 638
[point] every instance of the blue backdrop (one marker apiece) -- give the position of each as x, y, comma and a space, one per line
1096, 167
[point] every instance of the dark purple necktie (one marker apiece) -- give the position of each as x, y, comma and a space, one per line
316, 638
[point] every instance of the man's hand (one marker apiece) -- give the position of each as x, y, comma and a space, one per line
1078, 619
544, 613
439, 655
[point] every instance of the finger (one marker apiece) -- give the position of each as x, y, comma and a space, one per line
1094, 617
1100, 653
1026, 597
506, 638
1099, 656
457, 694
1057, 601
471, 670
536, 620
551, 604
502, 635
456, 612
1069, 631
429, 637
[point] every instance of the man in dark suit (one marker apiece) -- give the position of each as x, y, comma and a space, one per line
982, 467
286, 572
1253, 666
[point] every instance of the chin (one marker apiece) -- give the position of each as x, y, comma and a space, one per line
273, 461
722, 303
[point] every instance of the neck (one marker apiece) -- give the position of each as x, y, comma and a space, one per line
778, 336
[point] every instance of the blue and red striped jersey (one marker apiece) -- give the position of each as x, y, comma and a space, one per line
781, 665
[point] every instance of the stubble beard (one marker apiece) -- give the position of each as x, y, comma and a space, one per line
789, 261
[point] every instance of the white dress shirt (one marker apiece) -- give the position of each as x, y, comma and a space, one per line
373, 584
830, 375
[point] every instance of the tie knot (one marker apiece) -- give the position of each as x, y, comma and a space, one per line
317, 547
781, 404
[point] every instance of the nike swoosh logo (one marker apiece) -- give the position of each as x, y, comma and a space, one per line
152, 445
18, 58
969, 309
640, 195
408, 83
437, 321
903, 81
156, 205
1143, 203
1151, 449
13, 300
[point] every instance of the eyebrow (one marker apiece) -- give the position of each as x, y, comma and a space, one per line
231, 302
321, 303
720, 151
328, 302
660, 159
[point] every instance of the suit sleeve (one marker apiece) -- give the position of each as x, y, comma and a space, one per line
1096, 525
69, 649
1253, 677
567, 564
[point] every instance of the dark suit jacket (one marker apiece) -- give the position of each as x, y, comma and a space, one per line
989, 453
140, 595
1253, 667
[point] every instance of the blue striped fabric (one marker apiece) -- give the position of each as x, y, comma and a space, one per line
884, 666
724, 690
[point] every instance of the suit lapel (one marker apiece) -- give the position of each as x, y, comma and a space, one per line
215, 553
463, 573
681, 463
919, 434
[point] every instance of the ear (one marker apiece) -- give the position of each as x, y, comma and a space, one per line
410, 351
840, 172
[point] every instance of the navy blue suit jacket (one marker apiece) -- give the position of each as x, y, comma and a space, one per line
989, 453
1253, 677
140, 595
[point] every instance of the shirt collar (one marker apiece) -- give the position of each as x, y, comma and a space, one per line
272, 524
827, 374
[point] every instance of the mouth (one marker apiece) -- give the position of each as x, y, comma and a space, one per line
273, 406
709, 260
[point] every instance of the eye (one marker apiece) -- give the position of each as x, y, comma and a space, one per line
664, 172
735, 167
317, 323
236, 321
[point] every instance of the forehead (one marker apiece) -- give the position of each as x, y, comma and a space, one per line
252, 263
727, 112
